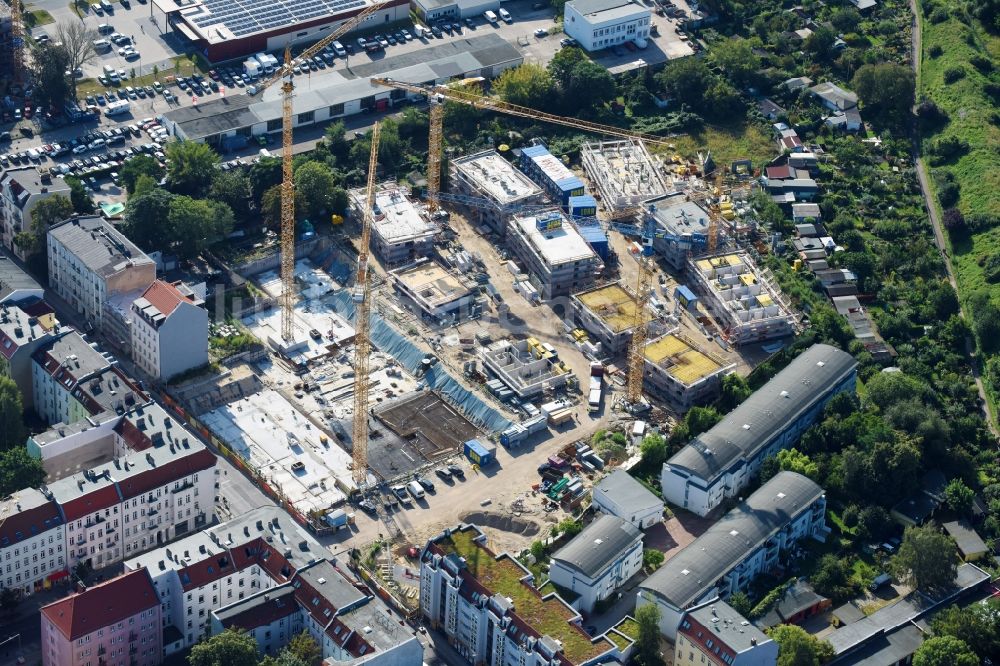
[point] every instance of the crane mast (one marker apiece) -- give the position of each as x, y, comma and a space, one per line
287, 204
362, 324
17, 41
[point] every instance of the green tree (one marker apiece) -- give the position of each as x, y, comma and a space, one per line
888, 388
190, 167
264, 174
740, 603
820, 43
304, 648
538, 550
832, 578
735, 390
197, 223
945, 651
652, 559
12, 430
958, 496
78, 196
391, 147
975, 625
700, 419
736, 58
146, 219
528, 85
19, 470
284, 658
927, 559
9, 599
874, 522
144, 184
845, 19
232, 647
798, 648
654, 451
52, 86
588, 85
647, 643
792, 460
47, 212
335, 139
78, 41
561, 66
315, 183
687, 80
270, 206
886, 90
570, 527
233, 189
140, 165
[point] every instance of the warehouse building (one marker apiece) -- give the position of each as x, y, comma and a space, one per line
744, 543
548, 171
608, 314
744, 299
601, 24
502, 188
438, 295
558, 259
335, 93
523, 369
623, 171
719, 463
401, 231
222, 30
678, 372
435, 10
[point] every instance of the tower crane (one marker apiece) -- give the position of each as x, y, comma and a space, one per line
17, 41
284, 74
362, 323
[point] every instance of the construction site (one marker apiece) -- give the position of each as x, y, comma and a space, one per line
608, 315
553, 253
680, 373
502, 188
401, 230
623, 172
436, 294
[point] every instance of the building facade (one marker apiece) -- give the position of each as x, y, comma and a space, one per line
558, 260
719, 463
32, 542
551, 174
21, 335
402, 231
601, 24
436, 294
116, 623
620, 494
90, 261
20, 191
749, 540
717, 634
678, 372
498, 185
169, 330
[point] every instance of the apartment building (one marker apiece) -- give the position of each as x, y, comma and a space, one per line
32, 544
21, 335
551, 174
21, 189
679, 372
601, 24
720, 462
559, 261
747, 541
608, 315
15, 284
598, 561
90, 261
402, 231
487, 606
716, 633
497, 185
437, 294
169, 330
620, 494
116, 623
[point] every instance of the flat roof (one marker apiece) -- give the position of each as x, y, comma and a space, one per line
625, 490
747, 293
681, 359
560, 245
612, 305
623, 171
729, 626
590, 7
552, 166
399, 219
223, 20
496, 177
98, 245
432, 283
678, 216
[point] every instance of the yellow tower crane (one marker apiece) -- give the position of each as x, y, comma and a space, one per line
18, 44
362, 323
284, 74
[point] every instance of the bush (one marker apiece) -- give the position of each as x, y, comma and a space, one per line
982, 63
946, 148
850, 516
991, 269
953, 220
948, 194
939, 15
935, 51
930, 114
953, 74
982, 221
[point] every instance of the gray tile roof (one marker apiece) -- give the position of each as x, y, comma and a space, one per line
329, 583
731, 628
14, 278
968, 540
73, 353
98, 245
622, 489
598, 545
750, 427
687, 576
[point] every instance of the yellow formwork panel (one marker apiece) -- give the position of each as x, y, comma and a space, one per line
688, 364
612, 305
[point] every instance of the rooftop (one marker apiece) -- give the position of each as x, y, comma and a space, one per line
970, 544
161, 298
20, 184
681, 359
17, 329
98, 245
13, 278
598, 545
71, 359
552, 166
561, 244
831, 92
624, 490
398, 219
623, 170
591, 7
685, 578
612, 305
26, 513
221, 20
729, 626
260, 609
753, 424
496, 177
107, 603
678, 216
432, 283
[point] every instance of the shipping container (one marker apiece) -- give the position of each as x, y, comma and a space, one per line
480, 453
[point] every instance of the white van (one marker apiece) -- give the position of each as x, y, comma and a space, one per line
415, 489
505, 15
490, 16
339, 49
116, 107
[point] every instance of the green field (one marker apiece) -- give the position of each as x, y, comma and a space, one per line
731, 143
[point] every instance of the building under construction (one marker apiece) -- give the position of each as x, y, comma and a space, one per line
743, 298
677, 372
558, 259
608, 314
684, 226
488, 176
402, 231
525, 368
623, 171
438, 295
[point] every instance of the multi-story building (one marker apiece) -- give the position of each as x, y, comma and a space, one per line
402, 231
680, 373
623, 172
20, 191
598, 561
32, 543
746, 542
115, 623
548, 171
607, 313
501, 187
169, 330
559, 261
601, 24
21, 335
488, 607
719, 463
717, 634
682, 227
90, 261
437, 294
16, 285
526, 369
620, 494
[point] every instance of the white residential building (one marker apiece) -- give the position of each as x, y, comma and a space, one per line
555, 255
598, 561
32, 542
90, 261
169, 330
620, 494
21, 335
600, 24
20, 191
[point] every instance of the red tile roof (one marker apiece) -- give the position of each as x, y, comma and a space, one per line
157, 477
164, 297
779, 172
103, 605
102, 498
277, 606
210, 569
22, 521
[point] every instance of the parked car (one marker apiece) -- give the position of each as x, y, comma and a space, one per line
456, 471
541, 32
427, 484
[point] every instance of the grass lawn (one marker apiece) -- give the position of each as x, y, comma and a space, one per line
629, 627
729, 143
504, 576
37, 17
183, 67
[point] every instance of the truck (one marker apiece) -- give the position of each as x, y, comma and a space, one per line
596, 388
251, 68
116, 107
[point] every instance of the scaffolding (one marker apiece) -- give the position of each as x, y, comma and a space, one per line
623, 171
